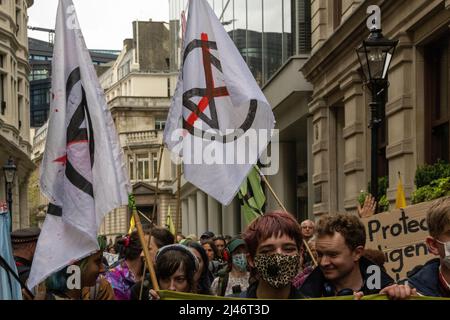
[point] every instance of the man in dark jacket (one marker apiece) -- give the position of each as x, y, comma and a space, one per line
24, 243
340, 241
433, 279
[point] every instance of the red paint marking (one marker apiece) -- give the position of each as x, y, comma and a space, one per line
62, 160
201, 106
211, 92
75, 142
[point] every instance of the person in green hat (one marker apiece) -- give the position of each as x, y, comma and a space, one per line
234, 277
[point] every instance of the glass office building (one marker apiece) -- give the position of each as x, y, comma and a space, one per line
266, 32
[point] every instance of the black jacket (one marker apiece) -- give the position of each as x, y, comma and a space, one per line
250, 293
316, 286
426, 280
23, 268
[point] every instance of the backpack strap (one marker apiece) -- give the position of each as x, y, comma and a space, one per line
223, 283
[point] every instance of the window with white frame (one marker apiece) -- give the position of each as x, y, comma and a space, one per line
155, 165
143, 166
131, 166
160, 124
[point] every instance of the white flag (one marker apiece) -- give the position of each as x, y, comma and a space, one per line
82, 173
218, 109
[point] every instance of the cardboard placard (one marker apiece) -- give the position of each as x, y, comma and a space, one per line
400, 234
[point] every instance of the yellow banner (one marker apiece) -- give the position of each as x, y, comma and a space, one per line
173, 295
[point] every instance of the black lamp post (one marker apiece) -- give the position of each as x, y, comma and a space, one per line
9, 170
375, 56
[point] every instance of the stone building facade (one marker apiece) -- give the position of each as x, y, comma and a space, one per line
14, 104
138, 89
415, 122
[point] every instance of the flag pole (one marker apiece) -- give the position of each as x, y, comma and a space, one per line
263, 177
140, 232
178, 214
161, 151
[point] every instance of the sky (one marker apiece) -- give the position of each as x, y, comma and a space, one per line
104, 23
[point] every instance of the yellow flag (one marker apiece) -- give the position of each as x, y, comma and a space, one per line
400, 201
169, 223
132, 225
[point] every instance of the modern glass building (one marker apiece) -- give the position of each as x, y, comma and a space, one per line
263, 31
40, 59
274, 38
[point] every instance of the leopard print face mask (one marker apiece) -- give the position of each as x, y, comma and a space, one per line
278, 270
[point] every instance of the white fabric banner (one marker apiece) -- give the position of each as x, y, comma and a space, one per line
83, 172
218, 109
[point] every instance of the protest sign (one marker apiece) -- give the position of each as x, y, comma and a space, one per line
400, 234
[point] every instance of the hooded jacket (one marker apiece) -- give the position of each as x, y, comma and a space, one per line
426, 280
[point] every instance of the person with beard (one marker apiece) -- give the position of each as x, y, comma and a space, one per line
343, 270
273, 242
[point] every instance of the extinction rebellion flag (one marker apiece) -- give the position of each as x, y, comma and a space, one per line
219, 122
83, 173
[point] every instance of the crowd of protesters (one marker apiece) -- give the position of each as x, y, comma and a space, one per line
274, 258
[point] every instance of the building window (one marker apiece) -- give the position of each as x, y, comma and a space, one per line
160, 125
337, 13
143, 166
168, 87
2, 94
39, 74
131, 167
38, 118
437, 111
40, 97
18, 22
124, 70
155, 165
304, 26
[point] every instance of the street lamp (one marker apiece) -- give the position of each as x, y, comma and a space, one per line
9, 170
375, 56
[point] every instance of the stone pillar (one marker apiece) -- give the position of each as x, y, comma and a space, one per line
348, 7
356, 145
400, 116
310, 139
214, 216
229, 219
192, 204
319, 110
319, 23
16, 204
23, 202
202, 214
185, 217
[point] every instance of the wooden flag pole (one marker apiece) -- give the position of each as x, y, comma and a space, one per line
161, 151
145, 249
178, 214
284, 209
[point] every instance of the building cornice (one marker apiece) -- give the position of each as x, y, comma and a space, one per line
15, 44
352, 30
